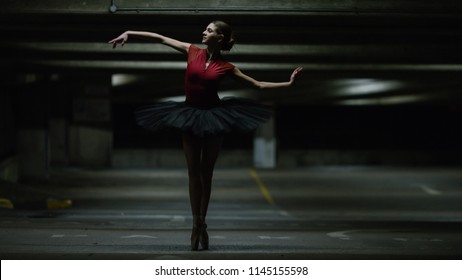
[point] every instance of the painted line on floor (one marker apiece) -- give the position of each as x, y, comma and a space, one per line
263, 189
217, 236
69, 235
138, 236
342, 235
429, 190
178, 219
264, 237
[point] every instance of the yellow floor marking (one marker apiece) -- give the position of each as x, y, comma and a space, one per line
263, 189
59, 204
6, 203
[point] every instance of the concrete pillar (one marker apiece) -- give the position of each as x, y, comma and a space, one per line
60, 116
33, 138
264, 146
90, 146
9, 162
33, 146
58, 129
90, 134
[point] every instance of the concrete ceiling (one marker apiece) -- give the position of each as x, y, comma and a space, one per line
353, 52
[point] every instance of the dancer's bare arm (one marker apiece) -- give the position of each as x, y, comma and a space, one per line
263, 85
155, 37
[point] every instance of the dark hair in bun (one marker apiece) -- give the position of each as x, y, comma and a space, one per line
228, 36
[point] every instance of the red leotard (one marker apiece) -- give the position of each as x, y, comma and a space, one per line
201, 82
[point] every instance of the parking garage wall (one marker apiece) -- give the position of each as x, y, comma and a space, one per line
8, 138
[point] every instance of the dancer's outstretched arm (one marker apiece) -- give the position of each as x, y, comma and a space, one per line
263, 85
155, 37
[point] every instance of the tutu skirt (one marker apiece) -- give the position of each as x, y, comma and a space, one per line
229, 114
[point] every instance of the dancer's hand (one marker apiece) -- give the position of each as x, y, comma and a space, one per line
295, 74
119, 40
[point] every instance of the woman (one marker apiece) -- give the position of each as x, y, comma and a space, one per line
203, 118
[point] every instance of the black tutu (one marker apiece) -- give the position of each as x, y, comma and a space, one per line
229, 114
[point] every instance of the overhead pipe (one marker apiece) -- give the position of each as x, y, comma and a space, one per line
114, 8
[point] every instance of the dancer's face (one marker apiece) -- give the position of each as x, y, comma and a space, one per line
210, 36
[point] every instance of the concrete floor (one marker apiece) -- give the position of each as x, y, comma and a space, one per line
310, 213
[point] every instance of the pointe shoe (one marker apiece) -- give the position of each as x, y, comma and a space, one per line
195, 237
204, 238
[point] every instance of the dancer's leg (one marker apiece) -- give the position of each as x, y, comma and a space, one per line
201, 155
210, 150
192, 147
